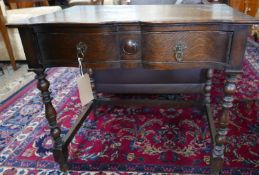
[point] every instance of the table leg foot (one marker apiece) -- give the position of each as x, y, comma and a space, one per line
64, 167
216, 165
61, 156
96, 112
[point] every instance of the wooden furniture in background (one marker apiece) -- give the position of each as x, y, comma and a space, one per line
157, 2
85, 2
6, 39
161, 38
11, 36
249, 7
237, 4
14, 4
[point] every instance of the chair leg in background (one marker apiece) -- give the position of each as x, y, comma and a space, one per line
9, 47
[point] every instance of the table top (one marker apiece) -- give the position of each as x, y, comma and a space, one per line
154, 14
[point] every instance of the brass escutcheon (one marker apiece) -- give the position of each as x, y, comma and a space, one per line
81, 48
179, 51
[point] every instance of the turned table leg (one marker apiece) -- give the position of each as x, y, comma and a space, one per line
60, 154
208, 85
207, 101
90, 73
217, 157
96, 103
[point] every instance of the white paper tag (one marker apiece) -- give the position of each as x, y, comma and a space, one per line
85, 89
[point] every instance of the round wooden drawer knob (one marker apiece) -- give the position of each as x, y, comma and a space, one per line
130, 47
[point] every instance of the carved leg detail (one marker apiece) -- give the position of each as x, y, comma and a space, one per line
60, 154
217, 158
207, 101
90, 73
208, 85
96, 104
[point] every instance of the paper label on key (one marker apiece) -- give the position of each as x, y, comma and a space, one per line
85, 89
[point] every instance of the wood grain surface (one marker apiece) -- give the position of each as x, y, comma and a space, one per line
142, 14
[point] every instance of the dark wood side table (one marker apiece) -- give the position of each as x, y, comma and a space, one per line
154, 37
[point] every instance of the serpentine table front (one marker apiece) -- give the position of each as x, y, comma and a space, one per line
161, 37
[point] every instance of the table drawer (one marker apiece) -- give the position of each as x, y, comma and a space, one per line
147, 48
57, 47
188, 46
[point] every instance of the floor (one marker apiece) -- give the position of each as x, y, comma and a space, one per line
11, 81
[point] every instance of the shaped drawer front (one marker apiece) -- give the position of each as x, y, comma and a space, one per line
62, 47
187, 46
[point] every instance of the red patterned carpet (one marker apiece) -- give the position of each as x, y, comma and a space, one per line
123, 140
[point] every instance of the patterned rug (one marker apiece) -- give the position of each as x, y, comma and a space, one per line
129, 140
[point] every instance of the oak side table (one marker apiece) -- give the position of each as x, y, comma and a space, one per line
158, 37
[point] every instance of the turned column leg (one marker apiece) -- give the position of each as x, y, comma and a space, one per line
217, 157
207, 101
96, 104
90, 73
208, 85
60, 154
